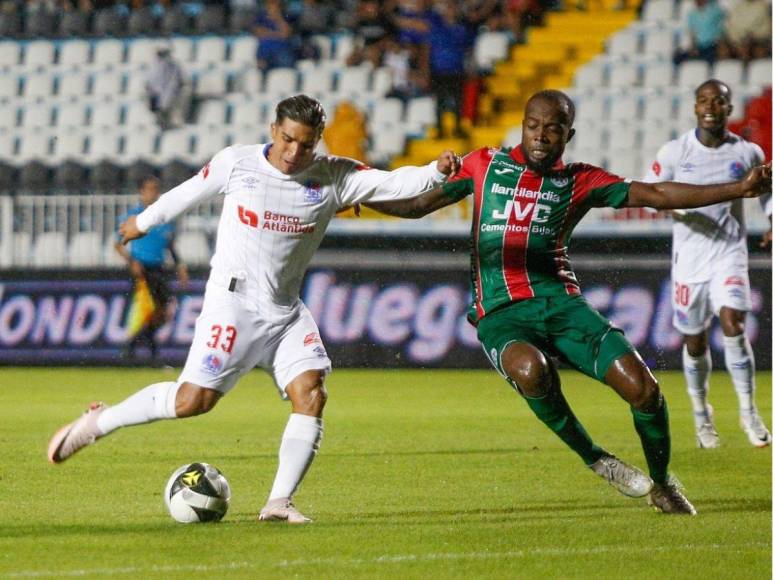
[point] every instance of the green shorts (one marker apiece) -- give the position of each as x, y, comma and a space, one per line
566, 327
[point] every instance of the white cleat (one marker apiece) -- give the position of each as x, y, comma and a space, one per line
706, 435
755, 430
668, 498
282, 509
76, 435
626, 479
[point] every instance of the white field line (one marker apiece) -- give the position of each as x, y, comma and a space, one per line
387, 559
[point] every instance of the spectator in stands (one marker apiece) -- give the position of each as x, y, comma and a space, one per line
164, 88
411, 18
275, 37
371, 28
706, 26
450, 39
402, 62
519, 14
311, 17
145, 258
347, 134
748, 29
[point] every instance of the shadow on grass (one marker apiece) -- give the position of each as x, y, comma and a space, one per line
756, 505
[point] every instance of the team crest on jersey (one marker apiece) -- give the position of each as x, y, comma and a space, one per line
211, 364
560, 181
736, 170
312, 192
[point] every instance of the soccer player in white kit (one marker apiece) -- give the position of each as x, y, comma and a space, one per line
709, 269
278, 200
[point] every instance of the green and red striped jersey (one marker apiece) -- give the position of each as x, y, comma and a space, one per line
522, 223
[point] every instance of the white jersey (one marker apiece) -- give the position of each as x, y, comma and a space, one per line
702, 236
272, 223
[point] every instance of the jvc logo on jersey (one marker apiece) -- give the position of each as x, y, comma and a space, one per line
248, 217
522, 210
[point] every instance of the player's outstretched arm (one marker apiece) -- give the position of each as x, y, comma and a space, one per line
449, 164
674, 195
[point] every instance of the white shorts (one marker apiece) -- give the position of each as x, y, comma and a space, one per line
694, 303
233, 336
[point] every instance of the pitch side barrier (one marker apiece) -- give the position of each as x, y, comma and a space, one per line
391, 310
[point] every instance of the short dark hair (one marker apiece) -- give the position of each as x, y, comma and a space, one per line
561, 99
302, 109
146, 178
718, 84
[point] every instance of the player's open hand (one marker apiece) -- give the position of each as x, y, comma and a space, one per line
129, 230
757, 181
449, 163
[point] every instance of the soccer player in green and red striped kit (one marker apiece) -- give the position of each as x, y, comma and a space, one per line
527, 304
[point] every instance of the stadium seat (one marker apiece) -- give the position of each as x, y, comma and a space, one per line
9, 116
627, 165
174, 144
109, 22
35, 144
654, 136
281, 83
692, 73
39, 54
657, 74
353, 82
624, 108
243, 51
589, 135
140, 143
316, 80
684, 8
73, 84
105, 177
622, 75
38, 86
138, 114
103, 144
107, 83
49, 250
343, 45
324, 45
10, 54
210, 20
37, 115
622, 137
34, 177
242, 20
86, 250
250, 82
591, 109
142, 22
658, 107
624, 43
73, 23
213, 112
658, 11
22, 249
9, 86
730, 72
70, 145
385, 113
420, 112
211, 51
208, 140
591, 76
135, 85
211, 83
387, 142
74, 54
71, 114
193, 247
758, 74
659, 42
141, 52
490, 47
248, 135
108, 52
7, 145
182, 49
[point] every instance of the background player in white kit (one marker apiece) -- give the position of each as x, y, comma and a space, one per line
709, 269
278, 200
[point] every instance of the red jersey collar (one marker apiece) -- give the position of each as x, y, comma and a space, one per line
517, 155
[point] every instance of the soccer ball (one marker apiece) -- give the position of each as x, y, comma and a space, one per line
197, 492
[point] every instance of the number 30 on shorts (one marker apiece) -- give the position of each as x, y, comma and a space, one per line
222, 337
681, 294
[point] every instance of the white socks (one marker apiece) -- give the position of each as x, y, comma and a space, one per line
150, 404
300, 443
739, 360
696, 374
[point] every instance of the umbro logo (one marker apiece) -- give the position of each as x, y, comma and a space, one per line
504, 171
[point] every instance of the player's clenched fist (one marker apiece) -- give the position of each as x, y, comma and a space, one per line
757, 181
129, 230
449, 163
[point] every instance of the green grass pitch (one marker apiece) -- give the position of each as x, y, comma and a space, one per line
442, 474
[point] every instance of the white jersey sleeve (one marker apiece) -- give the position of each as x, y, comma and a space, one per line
663, 168
358, 183
210, 181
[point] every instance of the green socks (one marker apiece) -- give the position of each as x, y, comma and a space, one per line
553, 410
655, 440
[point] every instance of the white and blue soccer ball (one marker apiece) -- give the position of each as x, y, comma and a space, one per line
197, 492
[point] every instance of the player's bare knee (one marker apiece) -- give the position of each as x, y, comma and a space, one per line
647, 398
733, 322
308, 393
194, 400
696, 344
528, 367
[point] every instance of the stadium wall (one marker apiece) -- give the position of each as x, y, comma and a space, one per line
386, 313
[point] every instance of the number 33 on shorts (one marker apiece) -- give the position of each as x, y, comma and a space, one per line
222, 338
